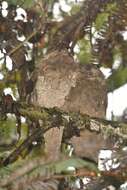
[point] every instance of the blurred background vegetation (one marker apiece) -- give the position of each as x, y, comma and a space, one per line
26, 29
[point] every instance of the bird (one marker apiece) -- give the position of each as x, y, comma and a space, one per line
61, 82
70, 86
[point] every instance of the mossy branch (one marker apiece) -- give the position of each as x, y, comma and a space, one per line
105, 127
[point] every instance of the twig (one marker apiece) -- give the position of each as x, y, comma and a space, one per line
21, 44
93, 124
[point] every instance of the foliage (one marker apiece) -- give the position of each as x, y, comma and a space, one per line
118, 78
22, 3
85, 51
7, 132
96, 28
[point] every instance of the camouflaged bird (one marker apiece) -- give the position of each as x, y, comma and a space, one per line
61, 82
70, 86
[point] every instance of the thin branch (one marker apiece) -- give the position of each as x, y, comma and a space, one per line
98, 125
70, 30
21, 44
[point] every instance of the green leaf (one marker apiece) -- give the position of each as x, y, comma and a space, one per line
101, 20
62, 166
22, 3
6, 171
84, 55
75, 8
111, 7
76, 163
118, 78
8, 131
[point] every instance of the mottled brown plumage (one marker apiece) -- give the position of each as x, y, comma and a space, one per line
63, 83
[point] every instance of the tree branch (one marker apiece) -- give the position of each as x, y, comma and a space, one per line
83, 122
73, 27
